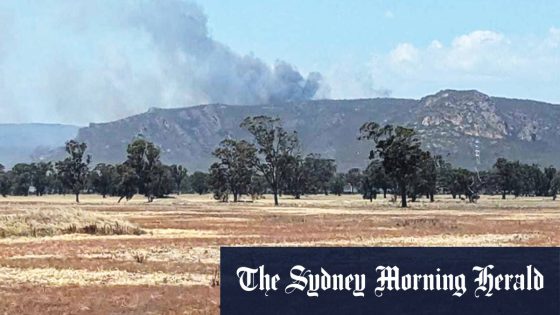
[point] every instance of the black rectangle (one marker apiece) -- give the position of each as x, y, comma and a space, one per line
540, 268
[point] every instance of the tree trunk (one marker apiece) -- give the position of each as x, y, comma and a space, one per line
403, 197
431, 197
385, 193
454, 196
504, 195
77, 197
234, 197
275, 191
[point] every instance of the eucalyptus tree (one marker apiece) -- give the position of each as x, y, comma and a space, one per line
237, 162
274, 147
399, 149
73, 170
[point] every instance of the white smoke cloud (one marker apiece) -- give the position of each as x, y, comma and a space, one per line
351, 79
82, 61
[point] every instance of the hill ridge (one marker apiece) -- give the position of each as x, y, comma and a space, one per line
449, 123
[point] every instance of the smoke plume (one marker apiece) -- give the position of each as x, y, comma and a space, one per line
83, 61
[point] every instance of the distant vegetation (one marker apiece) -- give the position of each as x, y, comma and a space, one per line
273, 162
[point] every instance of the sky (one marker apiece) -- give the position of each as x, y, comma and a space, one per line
92, 61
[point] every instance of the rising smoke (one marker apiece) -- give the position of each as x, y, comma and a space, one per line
82, 61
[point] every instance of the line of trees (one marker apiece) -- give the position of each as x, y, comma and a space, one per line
397, 158
397, 165
142, 172
274, 162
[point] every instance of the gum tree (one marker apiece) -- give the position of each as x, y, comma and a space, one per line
399, 149
73, 171
274, 147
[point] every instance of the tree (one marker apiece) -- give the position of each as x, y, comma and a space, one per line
503, 173
445, 178
337, 184
462, 183
55, 185
318, 173
237, 160
144, 158
541, 184
40, 173
199, 182
426, 180
555, 186
489, 182
104, 178
369, 190
21, 179
295, 182
5, 184
73, 171
179, 174
258, 186
380, 178
126, 182
162, 181
354, 178
274, 145
217, 180
550, 173
375, 178
399, 149
509, 176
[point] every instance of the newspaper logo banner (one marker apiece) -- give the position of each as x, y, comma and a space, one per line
265, 280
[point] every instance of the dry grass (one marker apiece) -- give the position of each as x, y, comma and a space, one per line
59, 221
62, 277
174, 267
434, 240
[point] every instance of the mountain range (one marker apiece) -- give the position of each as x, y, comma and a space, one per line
452, 123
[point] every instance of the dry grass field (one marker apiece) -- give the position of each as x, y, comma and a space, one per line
171, 268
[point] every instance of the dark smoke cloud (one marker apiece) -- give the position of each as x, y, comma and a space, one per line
96, 61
